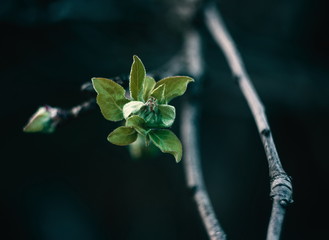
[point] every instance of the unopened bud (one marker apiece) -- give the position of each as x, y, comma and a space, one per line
43, 120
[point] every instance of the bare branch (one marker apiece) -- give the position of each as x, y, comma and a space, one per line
189, 132
64, 116
190, 61
281, 187
193, 171
78, 110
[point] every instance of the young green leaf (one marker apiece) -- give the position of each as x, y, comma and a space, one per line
122, 136
159, 94
167, 142
110, 98
138, 124
152, 119
149, 84
136, 81
167, 115
175, 86
131, 108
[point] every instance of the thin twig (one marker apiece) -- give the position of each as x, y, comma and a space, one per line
193, 171
190, 136
60, 116
77, 111
63, 116
190, 61
281, 187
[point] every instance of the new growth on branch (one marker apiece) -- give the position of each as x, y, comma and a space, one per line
144, 108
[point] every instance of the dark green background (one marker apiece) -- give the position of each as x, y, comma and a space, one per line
73, 184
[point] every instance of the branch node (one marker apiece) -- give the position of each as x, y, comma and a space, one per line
236, 79
193, 190
266, 132
281, 188
283, 203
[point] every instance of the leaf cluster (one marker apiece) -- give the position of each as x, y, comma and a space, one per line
145, 108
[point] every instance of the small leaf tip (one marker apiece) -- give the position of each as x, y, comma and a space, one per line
190, 79
135, 57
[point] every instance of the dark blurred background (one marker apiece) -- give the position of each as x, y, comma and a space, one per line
73, 184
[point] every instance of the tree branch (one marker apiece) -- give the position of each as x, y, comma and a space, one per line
189, 132
193, 171
190, 61
76, 111
280, 183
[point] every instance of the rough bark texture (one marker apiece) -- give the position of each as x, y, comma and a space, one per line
192, 165
281, 187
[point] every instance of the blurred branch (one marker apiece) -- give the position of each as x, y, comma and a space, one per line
190, 137
78, 110
281, 187
190, 61
193, 170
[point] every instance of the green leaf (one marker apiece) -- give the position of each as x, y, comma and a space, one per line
122, 136
131, 108
110, 98
159, 94
163, 116
167, 115
136, 81
167, 142
149, 84
138, 124
175, 86
152, 119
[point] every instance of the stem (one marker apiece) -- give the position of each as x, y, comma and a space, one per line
193, 171
78, 110
64, 116
281, 187
189, 132
190, 61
